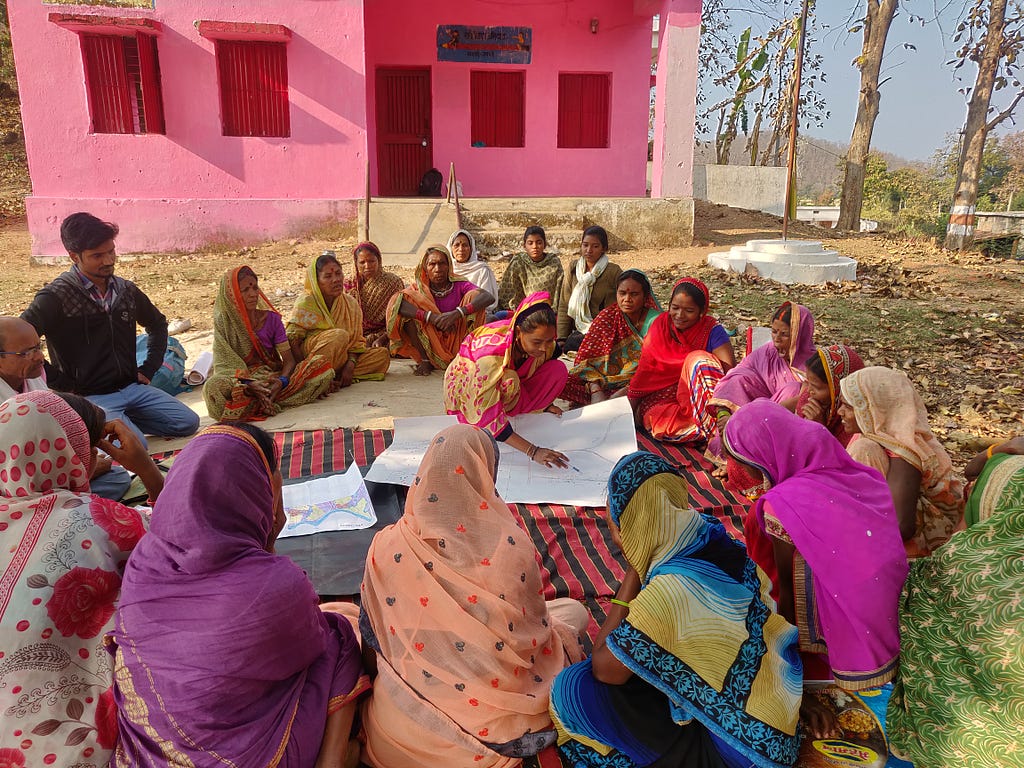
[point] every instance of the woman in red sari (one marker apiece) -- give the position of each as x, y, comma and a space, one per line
684, 356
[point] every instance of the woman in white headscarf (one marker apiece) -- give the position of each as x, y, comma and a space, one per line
468, 264
589, 287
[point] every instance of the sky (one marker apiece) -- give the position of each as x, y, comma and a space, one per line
919, 104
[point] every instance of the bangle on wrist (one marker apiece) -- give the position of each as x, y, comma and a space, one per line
284, 381
991, 449
462, 311
429, 313
532, 451
421, 315
616, 601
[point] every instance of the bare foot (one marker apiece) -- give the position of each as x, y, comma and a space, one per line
423, 368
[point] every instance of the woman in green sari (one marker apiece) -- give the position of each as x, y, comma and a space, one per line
959, 698
610, 352
254, 372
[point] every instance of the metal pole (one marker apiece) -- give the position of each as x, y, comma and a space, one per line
366, 199
794, 120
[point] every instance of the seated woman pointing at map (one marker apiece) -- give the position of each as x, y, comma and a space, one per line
506, 368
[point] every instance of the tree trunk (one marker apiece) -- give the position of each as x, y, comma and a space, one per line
960, 230
876, 28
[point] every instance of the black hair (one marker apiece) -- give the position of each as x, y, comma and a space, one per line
595, 231
92, 416
693, 292
82, 232
535, 230
325, 258
263, 440
247, 271
639, 277
784, 313
536, 316
815, 366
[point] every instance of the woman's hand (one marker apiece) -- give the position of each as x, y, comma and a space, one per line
554, 409
813, 411
131, 454
446, 321
819, 721
549, 457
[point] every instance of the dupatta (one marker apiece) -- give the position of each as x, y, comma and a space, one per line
236, 349
311, 314
455, 603
703, 630
477, 272
373, 295
850, 563
764, 372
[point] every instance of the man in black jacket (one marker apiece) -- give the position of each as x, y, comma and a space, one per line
89, 317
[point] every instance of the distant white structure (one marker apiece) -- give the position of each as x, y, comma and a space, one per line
827, 216
787, 261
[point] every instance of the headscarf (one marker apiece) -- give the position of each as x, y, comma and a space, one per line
839, 516
838, 361
891, 413
220, 642
454, 598
236, 348
312, 315
579, 300
477, 272
766, 373
372, 295
665, 347
702, 630
64, 553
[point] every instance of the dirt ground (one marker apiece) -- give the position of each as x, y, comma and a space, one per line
952, 321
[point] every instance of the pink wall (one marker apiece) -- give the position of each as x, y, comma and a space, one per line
404, 33
194, 175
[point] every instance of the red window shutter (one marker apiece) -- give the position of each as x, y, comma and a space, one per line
106, 84
149, 76
584, 109
496, 107
253, 88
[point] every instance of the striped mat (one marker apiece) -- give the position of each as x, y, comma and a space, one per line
574, 542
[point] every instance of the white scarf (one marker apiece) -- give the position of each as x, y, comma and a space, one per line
579, 301
474, 270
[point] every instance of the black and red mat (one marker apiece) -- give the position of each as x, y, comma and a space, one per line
577, 555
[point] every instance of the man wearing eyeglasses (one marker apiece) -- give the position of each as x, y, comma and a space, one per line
89, 318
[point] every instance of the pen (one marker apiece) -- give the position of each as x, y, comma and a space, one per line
574, 469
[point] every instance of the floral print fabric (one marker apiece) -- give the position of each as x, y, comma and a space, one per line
61, 579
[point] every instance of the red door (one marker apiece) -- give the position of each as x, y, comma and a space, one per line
404, 151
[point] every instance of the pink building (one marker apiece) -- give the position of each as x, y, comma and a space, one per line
196, 121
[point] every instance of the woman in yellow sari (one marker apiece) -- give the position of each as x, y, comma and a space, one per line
254, 371
327, 321
429, 319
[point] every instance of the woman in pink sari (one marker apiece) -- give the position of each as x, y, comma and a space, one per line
774, 371
220, 653
507, 368
837, 555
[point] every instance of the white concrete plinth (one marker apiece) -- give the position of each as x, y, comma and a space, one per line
787, 261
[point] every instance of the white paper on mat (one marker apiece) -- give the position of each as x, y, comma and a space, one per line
594, 438
201, 369
335, 503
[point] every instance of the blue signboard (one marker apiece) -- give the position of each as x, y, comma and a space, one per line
493, 45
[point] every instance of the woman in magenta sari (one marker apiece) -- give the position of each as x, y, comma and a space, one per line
836, 559
507, 368
774, 371
221, 655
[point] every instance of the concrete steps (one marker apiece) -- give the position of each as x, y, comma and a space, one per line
787, 261
498, 223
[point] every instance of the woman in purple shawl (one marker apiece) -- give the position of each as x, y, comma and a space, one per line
837, 546
222, 656
774, 371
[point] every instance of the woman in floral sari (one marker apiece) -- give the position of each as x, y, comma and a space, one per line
454, 612
506, 368
254, 370
429, 319
373, 288
610, 352
887, 418
684, 357
819, 396
327, 321
221, 655
63, 557
693, 666
959, 698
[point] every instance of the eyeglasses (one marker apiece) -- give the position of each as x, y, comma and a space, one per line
36, 350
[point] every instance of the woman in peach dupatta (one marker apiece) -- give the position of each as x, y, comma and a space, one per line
428, 320
886, 416
453, 606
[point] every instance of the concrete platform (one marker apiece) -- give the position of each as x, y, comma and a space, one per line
787, 261
403, 227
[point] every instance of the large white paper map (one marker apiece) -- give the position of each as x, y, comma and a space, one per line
334, 503
594, 438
